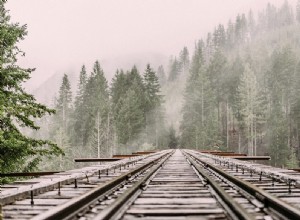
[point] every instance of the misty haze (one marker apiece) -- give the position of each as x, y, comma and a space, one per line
101, 80
142, 75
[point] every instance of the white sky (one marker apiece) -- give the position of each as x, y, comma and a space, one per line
64, 34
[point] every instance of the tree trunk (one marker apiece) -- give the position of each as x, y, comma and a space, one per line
239, 142
227, 129
98, 134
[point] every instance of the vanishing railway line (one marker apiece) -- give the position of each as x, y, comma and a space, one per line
170, 184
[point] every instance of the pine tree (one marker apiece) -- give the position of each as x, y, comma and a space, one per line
285, 14
153, 101
174, 69
81, 87
184, 61
130, 120
298, 11
173, 140
249, 106
251, 24
230, 38
161, 75
152, 89
129, 106
96, 102
219, 37
64, 103
199, 125
17, 108
79, 110
280, 78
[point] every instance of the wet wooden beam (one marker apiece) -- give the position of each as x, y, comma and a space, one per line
124, 155
296, 169
214, 151
29, 174
222, 154
251, 157
96, 159
144, 152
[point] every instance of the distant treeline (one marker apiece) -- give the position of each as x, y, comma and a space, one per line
243, 84
242, 87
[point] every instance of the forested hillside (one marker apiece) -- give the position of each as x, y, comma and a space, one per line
237, 90
242, 92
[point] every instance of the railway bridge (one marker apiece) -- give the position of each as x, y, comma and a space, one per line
162, 185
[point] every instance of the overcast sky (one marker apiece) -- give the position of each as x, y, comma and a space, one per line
64, 34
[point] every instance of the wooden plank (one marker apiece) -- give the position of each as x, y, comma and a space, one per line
251, 157
124, 155
227, 154
144, 152
176, 212
295, 169
28, 174
172, 201
215, 151
96, 159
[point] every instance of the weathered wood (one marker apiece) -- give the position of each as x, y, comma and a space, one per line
175, 211
251, 157
214, 151
121, 156
144, 152
96, 159
227, 154
29, 174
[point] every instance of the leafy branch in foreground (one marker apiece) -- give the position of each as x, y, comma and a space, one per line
18, 109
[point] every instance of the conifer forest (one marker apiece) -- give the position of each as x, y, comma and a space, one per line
237, 89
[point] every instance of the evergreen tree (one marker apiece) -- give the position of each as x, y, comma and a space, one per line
153, 101
184, 60
285, 14
199, 124
17, 108
249, 107
298, 11
251, 23
79, 110
64, 103
175, 69
81, 87
219, 37
96, 106
271, 15
152, 89
173, 140
161, 75
129, 106
130, 120
230, 38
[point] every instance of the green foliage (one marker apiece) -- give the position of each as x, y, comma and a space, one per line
199, 124
173, 140
18, 109
161, 75
242, 92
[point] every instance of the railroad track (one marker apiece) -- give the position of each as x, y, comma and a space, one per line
33, 197
266, 192
171, 185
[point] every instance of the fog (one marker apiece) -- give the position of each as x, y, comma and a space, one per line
63, 35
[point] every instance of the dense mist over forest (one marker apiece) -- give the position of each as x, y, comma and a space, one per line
229, 92
235, 89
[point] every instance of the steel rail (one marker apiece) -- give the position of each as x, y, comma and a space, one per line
261, 195
78, 204
236, 208
116, 208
